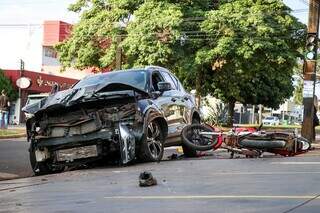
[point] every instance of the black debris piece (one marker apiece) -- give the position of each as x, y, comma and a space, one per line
146, 179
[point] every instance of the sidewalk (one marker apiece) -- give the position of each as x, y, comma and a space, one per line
20, 126
14, 131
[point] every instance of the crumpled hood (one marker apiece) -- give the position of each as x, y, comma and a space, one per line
69, 97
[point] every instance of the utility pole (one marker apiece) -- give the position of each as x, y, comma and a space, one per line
118, 53
260, 114
309, 71
20, 92
253, 119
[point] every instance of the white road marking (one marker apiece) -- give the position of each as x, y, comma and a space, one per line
116, 171
164, 197
296, 163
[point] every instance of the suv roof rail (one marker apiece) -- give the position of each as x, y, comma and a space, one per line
152, 67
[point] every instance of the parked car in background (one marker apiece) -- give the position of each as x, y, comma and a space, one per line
33, 100
130, 114
271, 120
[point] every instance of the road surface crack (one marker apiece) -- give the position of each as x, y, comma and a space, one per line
18, 187
302, 204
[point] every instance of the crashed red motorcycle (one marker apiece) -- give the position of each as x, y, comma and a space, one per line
251, 142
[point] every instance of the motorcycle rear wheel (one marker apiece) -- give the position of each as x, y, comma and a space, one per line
262, 144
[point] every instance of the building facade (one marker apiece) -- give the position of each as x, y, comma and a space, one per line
50, 73
55, 32
40, 83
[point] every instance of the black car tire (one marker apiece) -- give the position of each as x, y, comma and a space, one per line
152, 145
39, 168
187, 151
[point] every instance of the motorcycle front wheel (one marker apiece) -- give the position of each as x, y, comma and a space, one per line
196, 137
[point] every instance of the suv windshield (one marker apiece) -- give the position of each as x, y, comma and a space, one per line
136, 79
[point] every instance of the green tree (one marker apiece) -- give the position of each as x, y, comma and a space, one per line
6, 84
153, 33
244, 51
298, 86
297, 96
93, 40
251, 52
165, 33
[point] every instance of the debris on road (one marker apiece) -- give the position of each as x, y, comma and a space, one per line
175, 156
146, 179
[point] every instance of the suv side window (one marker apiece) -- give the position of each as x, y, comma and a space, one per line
180, 87
155, 79
169, 79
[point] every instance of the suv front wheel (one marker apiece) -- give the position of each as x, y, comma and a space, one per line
39, 168
152, 146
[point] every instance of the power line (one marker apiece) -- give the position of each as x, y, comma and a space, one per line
24, 25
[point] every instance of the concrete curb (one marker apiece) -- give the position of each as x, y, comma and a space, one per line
7, 176
315, 145
13, 136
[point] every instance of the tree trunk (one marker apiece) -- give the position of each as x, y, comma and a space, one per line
260, 114
118, 54
199, 81
231, 105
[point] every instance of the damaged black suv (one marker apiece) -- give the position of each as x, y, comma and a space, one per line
132, 114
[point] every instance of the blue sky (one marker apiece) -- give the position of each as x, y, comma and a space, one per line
25, 42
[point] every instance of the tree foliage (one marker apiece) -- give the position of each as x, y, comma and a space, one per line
243, 51
5, 84
297, 96
93, 39
151, 32
252, 49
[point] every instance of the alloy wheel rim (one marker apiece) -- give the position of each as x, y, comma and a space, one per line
197, 138
153, 140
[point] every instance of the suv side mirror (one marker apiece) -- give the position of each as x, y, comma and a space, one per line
164, 86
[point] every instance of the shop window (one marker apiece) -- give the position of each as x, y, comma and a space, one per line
50, 52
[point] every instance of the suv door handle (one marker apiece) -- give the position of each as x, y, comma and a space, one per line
186, 98
173, 99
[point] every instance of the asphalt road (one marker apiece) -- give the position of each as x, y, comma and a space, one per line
198, 185
208, 184
14, 158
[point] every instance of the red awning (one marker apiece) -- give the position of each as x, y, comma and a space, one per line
40, 82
